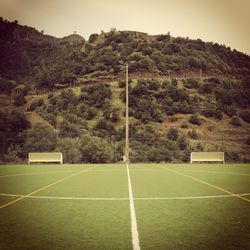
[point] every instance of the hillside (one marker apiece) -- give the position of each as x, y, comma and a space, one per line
68, 95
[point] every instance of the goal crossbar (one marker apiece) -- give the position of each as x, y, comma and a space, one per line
207, 156
45, 157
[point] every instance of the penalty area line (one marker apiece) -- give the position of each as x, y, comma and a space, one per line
134, 229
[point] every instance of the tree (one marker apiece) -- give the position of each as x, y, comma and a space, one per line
193, 134
173, 134
194, 119
236, 121
182, 141
17, 121
96, 150
68, 129
70, 148
40, 138
245, 115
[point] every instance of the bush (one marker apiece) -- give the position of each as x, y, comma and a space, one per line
230, 111
245, 115
93, 37
35, 104
18, 99
199, 147
155, 155
194, 119
232, 157
50, 95
248, 140
182, 142
122, 84
218, 114
70, 148
173, 134
184, 124
193, 134
236, 121
68, 129
96, 150
40, 138
192, 83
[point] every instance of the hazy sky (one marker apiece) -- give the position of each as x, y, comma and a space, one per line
222, 21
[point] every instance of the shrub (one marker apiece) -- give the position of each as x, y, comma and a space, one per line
199, 147
35, 104
236, 121
193, 134
194, 119
230, 111
173, 134
40, 138
232, 157
70, 148
218, 114
182, 142
93, 37
248, 140
184, 124
245, 115
96, 150
50, 95
192, 83
122, 84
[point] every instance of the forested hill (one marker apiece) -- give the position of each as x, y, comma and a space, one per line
185, 95
39, 60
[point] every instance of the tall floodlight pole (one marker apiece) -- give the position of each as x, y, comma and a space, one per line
127, 120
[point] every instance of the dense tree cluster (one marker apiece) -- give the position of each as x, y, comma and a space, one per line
44, 61
87, 124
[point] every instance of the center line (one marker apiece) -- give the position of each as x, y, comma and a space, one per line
134, 230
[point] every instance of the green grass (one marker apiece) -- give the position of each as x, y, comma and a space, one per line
61, 223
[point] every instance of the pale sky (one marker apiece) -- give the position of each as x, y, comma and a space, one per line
222, 21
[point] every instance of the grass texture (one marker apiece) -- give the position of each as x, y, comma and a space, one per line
178, 206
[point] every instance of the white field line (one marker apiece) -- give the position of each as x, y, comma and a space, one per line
206, 183
42, 188
213, 172
121, 170
190, 170
122, 198
134, 229
37, 173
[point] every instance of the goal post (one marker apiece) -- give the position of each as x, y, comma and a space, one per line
42, 157
207, 157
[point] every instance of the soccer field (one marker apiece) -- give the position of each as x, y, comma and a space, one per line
111, 206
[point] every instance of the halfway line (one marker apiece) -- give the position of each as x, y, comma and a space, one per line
124, 199
134, 230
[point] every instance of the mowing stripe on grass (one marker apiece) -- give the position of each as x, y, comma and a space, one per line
206, 183
123, 199
134, 230
40, 189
